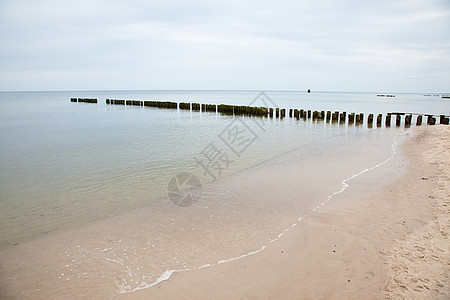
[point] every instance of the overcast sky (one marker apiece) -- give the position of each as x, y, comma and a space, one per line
327, 45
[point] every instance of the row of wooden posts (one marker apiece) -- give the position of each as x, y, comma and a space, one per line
86, 100
328, 116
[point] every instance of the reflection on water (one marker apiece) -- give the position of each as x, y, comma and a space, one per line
87, 184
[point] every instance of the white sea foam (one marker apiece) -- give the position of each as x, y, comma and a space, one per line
168, 273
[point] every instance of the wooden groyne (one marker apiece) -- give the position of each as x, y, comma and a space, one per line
85, 100
396, 119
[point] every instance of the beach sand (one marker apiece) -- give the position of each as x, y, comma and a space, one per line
376, 242
393, 244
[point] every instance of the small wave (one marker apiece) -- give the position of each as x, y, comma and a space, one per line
124, 288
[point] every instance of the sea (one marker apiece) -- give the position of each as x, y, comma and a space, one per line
99, 199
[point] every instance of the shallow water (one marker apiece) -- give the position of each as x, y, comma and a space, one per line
87, 184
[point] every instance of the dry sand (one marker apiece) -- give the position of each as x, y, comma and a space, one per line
391, 245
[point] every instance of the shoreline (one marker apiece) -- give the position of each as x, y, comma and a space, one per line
350, 249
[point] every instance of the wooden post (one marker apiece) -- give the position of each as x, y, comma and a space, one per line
370, 120
357, 119
322, 115
388, 120
379, 118
446, 121
296, 112
283, 113
271, 112
290, 112
361, 117
398, 120
328, 116
419, 120
302, 113
335, 116
441, 120
309, 114
429, 119
433, 121
315, 115
351, 118
408, 120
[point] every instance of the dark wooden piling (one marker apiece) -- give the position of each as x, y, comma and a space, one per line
322, 115
283, 113
398, 120
277, 112
441, 119
184, 106
335, 117
387, 123
290, 113
271, 112
361, 117
342, 117
296, 113
446, 121
429, 119
408, 120
351, 118
196, 106
357, 119
302, 113
419, 120
328, 117
309, 114
315, 115
85, 100
73, 100
432, 121
370, 120
379, 118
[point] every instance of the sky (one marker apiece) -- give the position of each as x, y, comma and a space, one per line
322, 45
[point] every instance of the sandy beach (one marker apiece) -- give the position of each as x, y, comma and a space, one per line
378, 241
391, 245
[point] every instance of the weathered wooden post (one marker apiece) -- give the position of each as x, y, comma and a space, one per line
290, 112
441, 119
370, 120
398, 120
351, 118
361, 117
296, 113
357, 119
315, 114
328, 116
73, 100
433, 121
309, 114
335, 117
429, 119
446, 121
388, 120
408, 120
283, 113
379, 118
342, 117
271, 112
419, 120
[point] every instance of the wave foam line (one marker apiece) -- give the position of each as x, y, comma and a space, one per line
168, 273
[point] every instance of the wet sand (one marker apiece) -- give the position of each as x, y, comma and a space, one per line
393, 244
367, 242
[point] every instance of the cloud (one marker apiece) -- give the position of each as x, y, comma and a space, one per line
343, 45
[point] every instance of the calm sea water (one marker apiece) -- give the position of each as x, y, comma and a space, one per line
63, 163
67, 165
